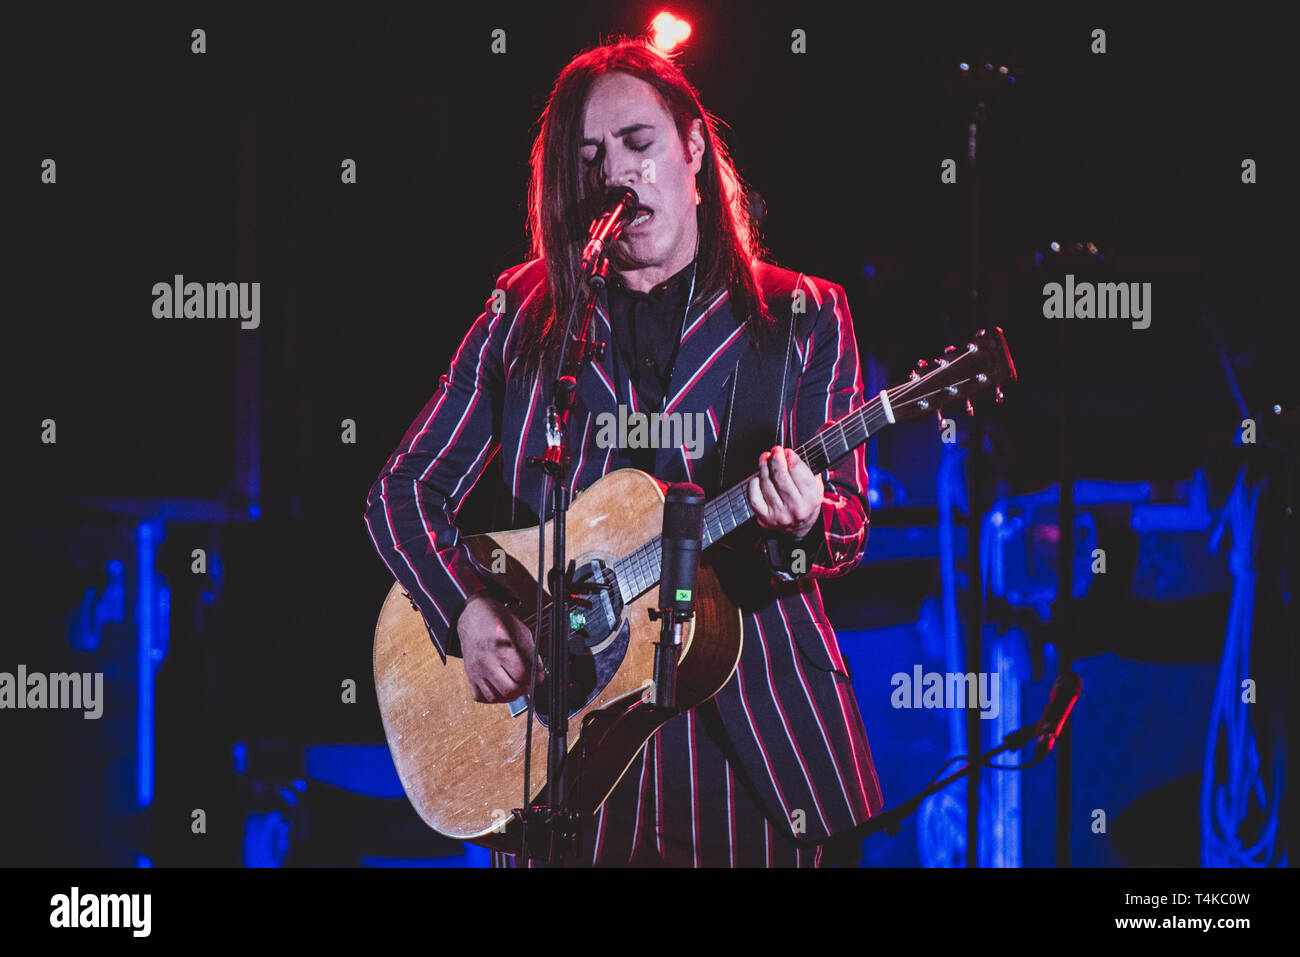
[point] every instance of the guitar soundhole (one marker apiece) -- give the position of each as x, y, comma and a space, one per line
598, 641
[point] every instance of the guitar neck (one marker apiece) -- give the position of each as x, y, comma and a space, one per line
639, 570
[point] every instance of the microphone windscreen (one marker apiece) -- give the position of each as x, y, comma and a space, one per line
683, 511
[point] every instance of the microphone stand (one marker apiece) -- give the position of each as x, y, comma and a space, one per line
667, 651
556, 822
891, 821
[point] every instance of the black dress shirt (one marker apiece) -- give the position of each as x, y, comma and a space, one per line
647, 327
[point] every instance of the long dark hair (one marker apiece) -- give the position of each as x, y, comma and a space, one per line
729, 246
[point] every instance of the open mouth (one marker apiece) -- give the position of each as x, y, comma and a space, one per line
644, 215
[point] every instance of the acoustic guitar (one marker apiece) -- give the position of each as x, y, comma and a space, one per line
461, 762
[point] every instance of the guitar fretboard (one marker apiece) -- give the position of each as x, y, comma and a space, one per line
638, 571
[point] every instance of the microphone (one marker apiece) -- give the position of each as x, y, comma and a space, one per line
620, 208
680, 556
1065, 692
679, 564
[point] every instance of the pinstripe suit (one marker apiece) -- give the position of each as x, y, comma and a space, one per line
781, 749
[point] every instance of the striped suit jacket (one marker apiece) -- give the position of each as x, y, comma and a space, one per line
789, 710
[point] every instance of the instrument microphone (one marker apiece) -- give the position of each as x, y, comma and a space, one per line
1065, 692
679, 564
620, 208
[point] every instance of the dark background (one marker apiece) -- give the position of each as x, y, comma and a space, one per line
225, 167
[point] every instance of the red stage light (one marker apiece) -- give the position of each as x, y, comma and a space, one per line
668, 31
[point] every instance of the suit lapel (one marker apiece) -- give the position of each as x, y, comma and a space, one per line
711, 344
710, 347
597, 387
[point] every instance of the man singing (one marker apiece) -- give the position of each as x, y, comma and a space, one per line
695, 323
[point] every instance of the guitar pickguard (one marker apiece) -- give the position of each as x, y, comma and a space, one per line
597, 642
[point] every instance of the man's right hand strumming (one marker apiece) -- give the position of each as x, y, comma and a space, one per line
497, 649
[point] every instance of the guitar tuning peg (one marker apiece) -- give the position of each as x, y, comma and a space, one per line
921, 363
949, 350
914, 375
997, 395
970, 409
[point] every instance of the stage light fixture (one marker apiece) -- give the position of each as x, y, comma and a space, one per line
668, 31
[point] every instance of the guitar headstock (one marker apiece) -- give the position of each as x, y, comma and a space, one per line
958, 375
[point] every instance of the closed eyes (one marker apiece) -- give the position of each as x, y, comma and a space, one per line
634, 147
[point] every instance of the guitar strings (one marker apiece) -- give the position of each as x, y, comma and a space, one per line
641, 563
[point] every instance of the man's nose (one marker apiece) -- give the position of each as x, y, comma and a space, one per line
620, 170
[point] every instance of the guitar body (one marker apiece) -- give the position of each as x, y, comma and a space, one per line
460, 761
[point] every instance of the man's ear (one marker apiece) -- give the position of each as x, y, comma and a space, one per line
695, 145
